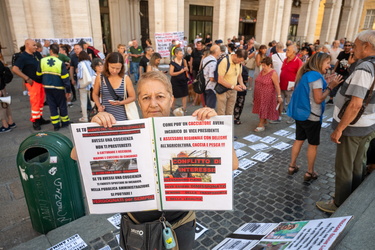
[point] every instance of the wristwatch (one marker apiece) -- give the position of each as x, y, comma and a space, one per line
232, 87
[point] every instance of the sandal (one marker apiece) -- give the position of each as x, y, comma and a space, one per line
310, 176
259, 129
293, 169
237, 122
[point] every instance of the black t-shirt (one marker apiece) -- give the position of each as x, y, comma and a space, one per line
197, 57
273, 50
343, 58
208, 40
74, 63
187, 58
91, 52
143, 63
28, 64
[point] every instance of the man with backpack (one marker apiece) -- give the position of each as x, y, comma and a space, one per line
229, 72
209, 67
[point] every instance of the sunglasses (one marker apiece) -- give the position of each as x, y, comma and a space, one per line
347, 45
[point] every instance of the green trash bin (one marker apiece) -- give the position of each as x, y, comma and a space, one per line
50, 180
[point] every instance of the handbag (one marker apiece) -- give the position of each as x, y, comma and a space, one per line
250, 63
364, 104
86, 77
220, 89
130, 108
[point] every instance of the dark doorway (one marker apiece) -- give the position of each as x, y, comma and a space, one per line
200, 21
106, 26
145, 31
247, 30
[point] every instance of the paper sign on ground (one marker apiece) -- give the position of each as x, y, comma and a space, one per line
252, 138
164, 163
236, 173
292, 126
314, 234
115, 220
269, 139
292, 136
261, 156
325, 124
281, 146
259, 147
74, 242
241, 153
256, 228
238, 145
106, 247
235, 244
282, 132
199, 230
329, 119
246, 163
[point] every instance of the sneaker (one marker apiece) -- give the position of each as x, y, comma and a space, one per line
290, 121
4, 130
56, 128
330, 101
327, 206
13, 125
276, 121
70, 104
82, 119
25, 92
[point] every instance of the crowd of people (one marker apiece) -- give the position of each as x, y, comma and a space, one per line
295, 79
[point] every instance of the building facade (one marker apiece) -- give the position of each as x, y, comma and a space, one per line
111, 22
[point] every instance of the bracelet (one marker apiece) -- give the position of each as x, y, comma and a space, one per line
279, 96
27, 79
329, 88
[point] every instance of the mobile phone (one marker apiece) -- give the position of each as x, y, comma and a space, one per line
112, 100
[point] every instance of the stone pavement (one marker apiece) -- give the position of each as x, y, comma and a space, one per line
262, 193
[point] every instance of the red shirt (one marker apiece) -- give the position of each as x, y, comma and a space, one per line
289, 71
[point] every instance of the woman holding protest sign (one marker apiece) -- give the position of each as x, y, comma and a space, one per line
155, 99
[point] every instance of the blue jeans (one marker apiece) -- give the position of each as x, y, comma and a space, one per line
134, 67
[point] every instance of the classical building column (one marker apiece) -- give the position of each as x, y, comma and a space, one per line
264, 25
17, 23
287, 11
232, 18
218, 26
335, 21
346, 19
312, 24
304, 19
330, 20
358, 19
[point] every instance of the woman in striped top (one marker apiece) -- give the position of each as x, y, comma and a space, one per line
114, 74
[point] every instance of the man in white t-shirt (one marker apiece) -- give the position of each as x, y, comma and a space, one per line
278, 58
210, 65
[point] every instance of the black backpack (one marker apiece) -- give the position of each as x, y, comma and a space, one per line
199, 84
6, 75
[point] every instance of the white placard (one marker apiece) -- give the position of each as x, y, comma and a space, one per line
293, 126
241, 153
290, 85
282, 132
236, 173
259, 147
236, 244
261, 156
106, 247
269, 139
256, 228
164, 40
252, 138
74, 242
292, 136
325, 124
115, 220
329, 119
199, 230
238, 145
69, 41
246, 163
281, 146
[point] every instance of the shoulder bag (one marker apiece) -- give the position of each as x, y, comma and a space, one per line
364, 104
86, 77
130, 108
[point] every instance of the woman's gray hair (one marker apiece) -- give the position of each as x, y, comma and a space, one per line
367, 36
176, 50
